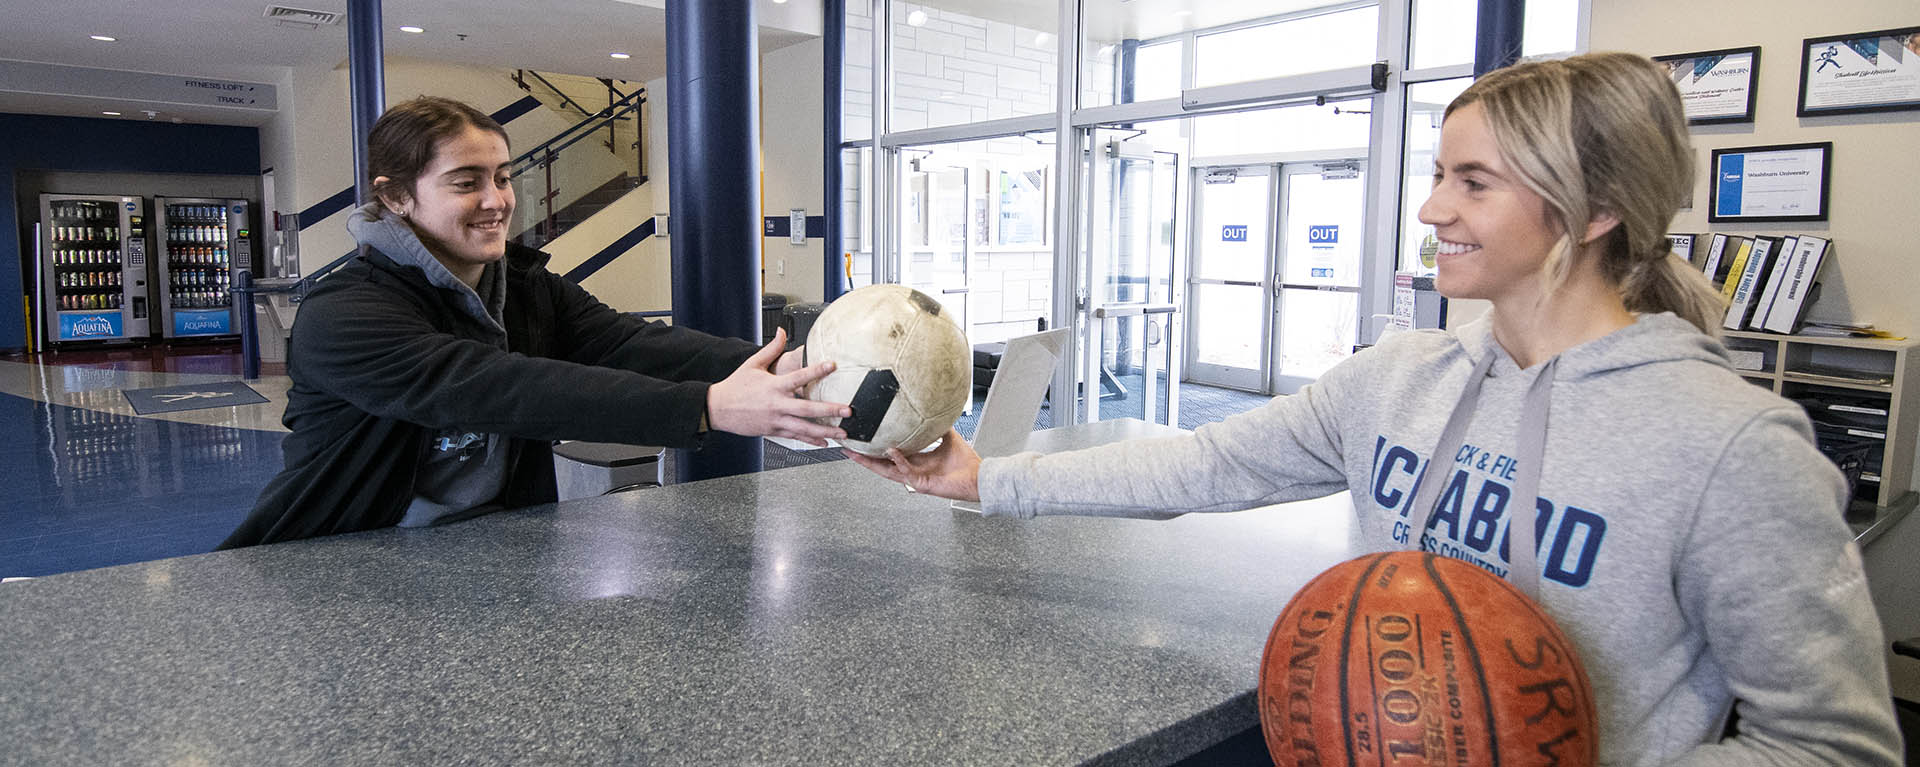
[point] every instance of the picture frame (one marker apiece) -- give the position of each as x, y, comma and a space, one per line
1860, 72
1716, 86
1781, 182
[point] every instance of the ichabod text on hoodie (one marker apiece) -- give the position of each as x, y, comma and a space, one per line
1690, 535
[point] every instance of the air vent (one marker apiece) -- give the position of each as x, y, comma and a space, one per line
302, 16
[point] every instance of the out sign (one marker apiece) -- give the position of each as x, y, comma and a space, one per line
1233, 233
1323, 235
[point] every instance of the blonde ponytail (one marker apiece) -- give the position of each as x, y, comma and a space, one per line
1670, 284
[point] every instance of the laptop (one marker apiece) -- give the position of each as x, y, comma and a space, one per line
1013, 400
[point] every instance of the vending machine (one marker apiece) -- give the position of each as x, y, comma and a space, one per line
203, 242
93, 268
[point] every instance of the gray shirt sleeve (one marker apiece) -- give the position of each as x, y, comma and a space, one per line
1770, 573
1286, 450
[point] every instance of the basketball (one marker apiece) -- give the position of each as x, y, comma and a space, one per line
901, 363
1407, 658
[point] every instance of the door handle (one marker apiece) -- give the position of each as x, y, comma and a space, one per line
951, 291
1153, 332
1132, 310
1242, 283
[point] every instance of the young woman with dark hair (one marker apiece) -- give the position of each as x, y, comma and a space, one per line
431, 374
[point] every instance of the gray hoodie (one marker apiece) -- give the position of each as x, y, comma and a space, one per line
463, 470
1692, 543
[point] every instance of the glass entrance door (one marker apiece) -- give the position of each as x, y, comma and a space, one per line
1230, 284
1131, 360
935, 252
1322, 207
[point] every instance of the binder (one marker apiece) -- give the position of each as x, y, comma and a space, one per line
1715, 248
1790, 306
1729, 280
1759, 261
1682, 245
1783, 257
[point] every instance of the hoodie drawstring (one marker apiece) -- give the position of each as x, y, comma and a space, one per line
1524, 569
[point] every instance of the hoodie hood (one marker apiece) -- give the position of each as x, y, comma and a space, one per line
1652, 338
373, 226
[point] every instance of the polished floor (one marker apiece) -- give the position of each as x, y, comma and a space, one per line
89, 483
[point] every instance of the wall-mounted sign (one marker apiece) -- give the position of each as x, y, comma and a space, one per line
1715, 86
1861, 72
1787, 182
61, 80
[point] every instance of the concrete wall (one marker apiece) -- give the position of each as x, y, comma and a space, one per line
790, 165
1870, 277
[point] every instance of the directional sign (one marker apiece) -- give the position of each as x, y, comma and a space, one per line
60, 80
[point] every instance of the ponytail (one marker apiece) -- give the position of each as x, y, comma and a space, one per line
1670, 284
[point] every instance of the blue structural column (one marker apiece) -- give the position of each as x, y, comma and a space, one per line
713, 153
834, 270
1497, 42
367, 81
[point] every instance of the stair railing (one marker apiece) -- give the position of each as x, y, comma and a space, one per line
543, 157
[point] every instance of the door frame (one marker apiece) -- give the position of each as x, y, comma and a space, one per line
1210, 374
1276, 381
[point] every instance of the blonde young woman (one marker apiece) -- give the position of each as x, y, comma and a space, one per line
1689, 534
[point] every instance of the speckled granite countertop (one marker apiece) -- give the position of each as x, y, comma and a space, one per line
816, 615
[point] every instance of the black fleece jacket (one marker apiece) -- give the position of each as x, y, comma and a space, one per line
380, 358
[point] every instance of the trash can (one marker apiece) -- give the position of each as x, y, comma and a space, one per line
771, 308
587, 469
799, 320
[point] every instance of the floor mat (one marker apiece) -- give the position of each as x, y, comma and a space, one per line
172, 399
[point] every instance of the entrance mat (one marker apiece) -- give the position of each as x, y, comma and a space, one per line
173, 399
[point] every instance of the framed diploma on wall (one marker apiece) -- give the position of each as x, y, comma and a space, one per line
1784, 182
1715, 86
1860, 72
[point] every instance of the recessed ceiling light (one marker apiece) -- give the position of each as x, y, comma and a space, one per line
111, 114
414, 30
103, 38
621, 55
917, 18
1042, 38
779, 2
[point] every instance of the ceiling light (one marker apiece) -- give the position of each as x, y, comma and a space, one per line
111, 114
1182, 14
779, 2
413, 30
621, 55
917, 18
1042, 38
103, 38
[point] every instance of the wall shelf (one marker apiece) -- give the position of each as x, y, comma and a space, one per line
1866, 373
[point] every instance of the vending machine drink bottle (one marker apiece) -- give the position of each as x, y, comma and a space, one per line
93, 268
203, 241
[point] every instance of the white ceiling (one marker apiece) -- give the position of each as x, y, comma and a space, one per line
233, 40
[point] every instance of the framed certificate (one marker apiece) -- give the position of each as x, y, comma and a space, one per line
1715, 86
1786, 182
1861, 72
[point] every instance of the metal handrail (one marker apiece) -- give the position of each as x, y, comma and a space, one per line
564, 99
585, 127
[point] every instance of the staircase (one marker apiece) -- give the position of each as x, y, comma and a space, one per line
577, 173
580, 210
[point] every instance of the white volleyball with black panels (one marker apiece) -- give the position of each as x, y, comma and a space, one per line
902, 364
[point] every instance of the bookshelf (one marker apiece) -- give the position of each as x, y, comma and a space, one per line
1874, 382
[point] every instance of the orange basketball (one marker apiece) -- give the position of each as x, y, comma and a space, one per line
1409, 659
